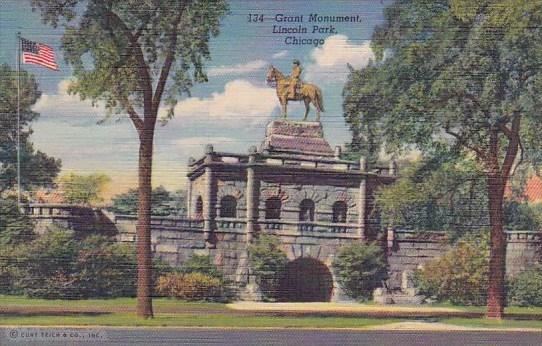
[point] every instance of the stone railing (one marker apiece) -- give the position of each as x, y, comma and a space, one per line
53, 210
288, 161
170, 222
511, 236
224, 224
308, 227
523, 236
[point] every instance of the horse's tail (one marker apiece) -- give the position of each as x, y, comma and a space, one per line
320, 100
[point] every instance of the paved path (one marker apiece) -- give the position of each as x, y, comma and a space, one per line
191, 336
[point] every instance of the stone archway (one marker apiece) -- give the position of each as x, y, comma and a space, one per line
306, 280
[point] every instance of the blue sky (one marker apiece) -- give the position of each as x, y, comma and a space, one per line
230, 111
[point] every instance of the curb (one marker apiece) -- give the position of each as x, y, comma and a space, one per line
397, 327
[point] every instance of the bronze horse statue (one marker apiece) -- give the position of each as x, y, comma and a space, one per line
309, 93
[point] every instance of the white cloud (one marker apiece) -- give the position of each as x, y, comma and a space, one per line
63, 104
238, 69
240, 103
280, 54
329, 61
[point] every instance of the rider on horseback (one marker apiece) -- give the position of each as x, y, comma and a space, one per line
294, 79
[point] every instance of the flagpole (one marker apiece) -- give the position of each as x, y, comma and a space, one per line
19, 119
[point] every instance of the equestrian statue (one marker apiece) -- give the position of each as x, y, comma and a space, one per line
290, 88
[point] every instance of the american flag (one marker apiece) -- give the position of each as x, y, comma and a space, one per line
38, 54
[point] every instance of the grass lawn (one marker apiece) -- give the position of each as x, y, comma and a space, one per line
173, 312
116, 303
190, 320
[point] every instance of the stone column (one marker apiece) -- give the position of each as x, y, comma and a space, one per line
189, 200
393, 168
209, 208
252, 196
362, 200
189, 196
391, 239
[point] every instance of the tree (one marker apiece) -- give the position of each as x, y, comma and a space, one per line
123, 53
37, 169
83, 189
436, 193
164, 203
463, 75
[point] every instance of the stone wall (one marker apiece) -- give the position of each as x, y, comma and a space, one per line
83, 220
175, 239
523, 250
407, 250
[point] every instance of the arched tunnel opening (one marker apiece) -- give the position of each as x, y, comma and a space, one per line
306, 280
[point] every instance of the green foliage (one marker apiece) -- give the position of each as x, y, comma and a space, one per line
359, 269
201, 264
525, 289
164, 203
268, 263
47, 267
15, 226
83, 189
446, 193
37, 169
522, 216
57, 265
126, 40
460, 275
437, 194
190, 286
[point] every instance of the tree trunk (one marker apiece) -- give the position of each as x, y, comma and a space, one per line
497, 260
143, 237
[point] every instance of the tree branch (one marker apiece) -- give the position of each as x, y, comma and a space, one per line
144, 75
462, 141
170, 57
513, 147
138, 123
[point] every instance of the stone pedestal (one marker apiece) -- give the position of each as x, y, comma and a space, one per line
297, 138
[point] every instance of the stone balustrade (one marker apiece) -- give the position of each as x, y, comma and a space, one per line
290, 161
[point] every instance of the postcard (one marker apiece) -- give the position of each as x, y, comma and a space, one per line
270, 172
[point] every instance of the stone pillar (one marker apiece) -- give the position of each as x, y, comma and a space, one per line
252, 196
393, 168
391, 239
338, 152
189, 196
362, 200
189, 200
209, 208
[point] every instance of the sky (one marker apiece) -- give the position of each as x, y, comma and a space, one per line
230, 111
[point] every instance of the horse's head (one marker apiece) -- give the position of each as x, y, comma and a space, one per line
271, 75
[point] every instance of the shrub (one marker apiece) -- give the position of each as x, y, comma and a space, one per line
15, 226
268, 262
359, 269
201, 264
460, 275
8, 271
190, 286
58, 266
526, 288
47, 266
